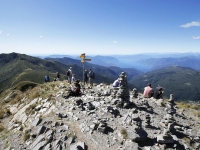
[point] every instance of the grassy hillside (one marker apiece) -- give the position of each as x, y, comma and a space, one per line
16, 68
181, 81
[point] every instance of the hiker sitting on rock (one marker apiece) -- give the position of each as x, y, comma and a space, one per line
159, 93
148, 91
116, 83
75, 91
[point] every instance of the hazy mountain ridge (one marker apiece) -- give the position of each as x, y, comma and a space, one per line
157, 63
110, 72
147, 61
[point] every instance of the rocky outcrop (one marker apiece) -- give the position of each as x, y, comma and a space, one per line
103, 118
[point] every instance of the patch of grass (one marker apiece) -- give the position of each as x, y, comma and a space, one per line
185, 105
30, 109
197, 114
124, 133
1, 114
25, 85
163, 104
1, 127
26, 136
4, 111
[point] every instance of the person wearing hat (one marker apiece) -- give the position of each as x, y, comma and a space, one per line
116, 83
148, 91
69, 75
76, 90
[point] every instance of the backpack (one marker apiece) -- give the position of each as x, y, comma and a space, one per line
47, 78
92, 74
68, 73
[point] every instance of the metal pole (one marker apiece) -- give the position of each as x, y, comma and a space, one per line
83, 75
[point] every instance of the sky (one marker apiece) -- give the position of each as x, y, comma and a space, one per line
99, 27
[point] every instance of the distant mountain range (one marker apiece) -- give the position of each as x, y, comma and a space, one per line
112, 72
144, 62
170, 73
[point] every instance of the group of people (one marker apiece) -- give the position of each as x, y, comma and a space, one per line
149, 92
89, 77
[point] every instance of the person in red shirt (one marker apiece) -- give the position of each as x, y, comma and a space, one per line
148, 91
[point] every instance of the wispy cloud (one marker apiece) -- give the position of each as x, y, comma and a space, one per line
191, 24
1, 31
40, 36
8, 34
196, 37
115, 42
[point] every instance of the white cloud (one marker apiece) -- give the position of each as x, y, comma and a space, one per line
196, 37
8, 34
40, 36
191, 24
1, 31
115, 42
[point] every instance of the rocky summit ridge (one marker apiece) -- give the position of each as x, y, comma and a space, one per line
103, 118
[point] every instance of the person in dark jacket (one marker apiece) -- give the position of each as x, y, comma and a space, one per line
76, 91
159, 94
86, 77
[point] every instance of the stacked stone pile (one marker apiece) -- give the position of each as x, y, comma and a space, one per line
104, 118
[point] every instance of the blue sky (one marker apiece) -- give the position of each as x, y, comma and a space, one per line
99, 27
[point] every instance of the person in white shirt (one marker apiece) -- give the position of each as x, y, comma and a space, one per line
116, 83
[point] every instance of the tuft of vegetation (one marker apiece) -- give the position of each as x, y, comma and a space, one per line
124, 133
193, 108
186, 105
30, 109
25, 85
1, 127
4, 112
26, 136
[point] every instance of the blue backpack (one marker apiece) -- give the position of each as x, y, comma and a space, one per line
47, 78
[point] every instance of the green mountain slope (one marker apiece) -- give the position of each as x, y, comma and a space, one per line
16, 68
182, 82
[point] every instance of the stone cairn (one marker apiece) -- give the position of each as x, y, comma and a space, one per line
135, 93
147, 121
133, 125
123, 92
168, 124
170, 106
